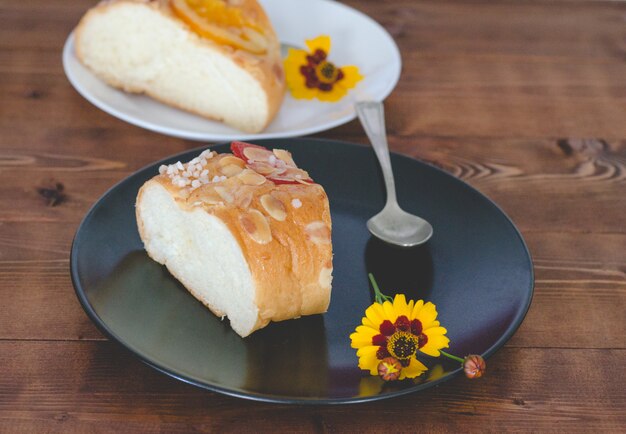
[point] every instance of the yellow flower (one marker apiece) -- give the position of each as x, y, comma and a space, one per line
399, 330
310, 75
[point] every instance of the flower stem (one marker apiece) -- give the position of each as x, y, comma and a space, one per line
450, 356
379, 296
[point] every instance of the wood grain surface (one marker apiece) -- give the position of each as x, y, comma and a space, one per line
526, 101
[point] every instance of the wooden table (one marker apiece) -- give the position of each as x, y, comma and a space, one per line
526, 101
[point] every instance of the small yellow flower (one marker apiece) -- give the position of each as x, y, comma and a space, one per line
310, 75
399, 330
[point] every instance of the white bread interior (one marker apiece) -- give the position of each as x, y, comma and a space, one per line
199, 250
204, 245
141, 47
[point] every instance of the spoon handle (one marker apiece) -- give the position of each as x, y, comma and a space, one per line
372, 117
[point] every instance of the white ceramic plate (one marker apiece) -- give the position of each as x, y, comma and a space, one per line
356, 40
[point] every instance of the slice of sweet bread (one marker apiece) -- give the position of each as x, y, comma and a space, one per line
247, 233
216, 58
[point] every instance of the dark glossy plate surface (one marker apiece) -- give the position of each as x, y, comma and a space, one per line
476, 269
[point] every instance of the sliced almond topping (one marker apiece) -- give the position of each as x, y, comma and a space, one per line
256, 225
264, 168
243, 197
325, 277
318, 232
256, 154
231, 170
281, 154
225, 193
184, 193
231, 159
208, 195
274, 207
292, 175
302, 181
297, 173
232, 183
250, 177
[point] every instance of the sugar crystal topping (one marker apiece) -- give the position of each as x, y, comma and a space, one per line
192, 174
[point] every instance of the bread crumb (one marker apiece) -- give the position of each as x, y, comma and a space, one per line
296, 203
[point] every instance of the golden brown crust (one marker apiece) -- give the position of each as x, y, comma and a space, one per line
292, 270
267, 69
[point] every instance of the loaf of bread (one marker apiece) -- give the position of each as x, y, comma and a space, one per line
220, 60
248, 234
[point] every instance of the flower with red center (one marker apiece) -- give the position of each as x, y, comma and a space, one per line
399, 330
309, 74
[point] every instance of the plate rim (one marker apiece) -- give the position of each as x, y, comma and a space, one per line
68, 55
281, 399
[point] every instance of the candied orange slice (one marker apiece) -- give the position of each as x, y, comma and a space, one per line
241, 24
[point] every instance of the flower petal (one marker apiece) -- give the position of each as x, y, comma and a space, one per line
296, 57
427, 315
294, 78
351, 76
400, 306
437, 340
302, 92
369, 323
416, 309
390, 313
322, 42
370, 349
333, 95
410, 306
368, 360
362, 336
376, 314
292, 64
415, 369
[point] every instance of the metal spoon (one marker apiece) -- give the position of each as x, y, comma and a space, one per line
392, 224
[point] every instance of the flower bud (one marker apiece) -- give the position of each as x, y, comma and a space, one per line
389, 369
474, 366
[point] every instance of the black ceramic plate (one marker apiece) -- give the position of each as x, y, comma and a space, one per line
475, 268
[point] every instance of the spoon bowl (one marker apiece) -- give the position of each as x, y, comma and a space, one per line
392, 225
396, 226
